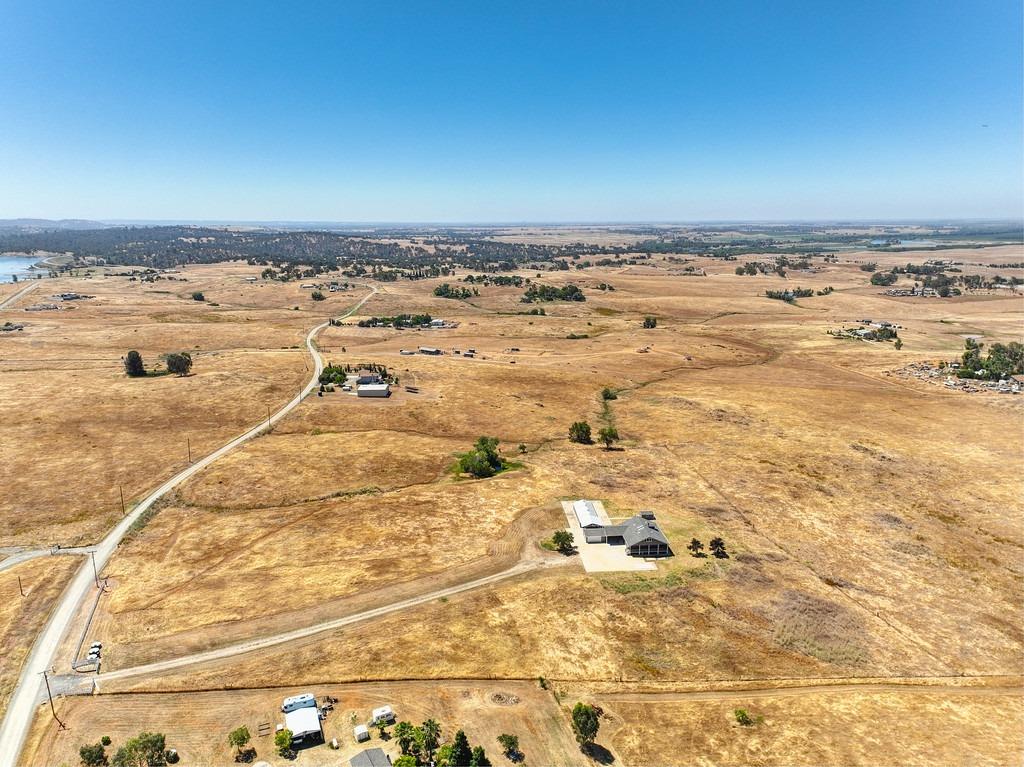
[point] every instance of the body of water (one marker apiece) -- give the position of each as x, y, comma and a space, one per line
15, 265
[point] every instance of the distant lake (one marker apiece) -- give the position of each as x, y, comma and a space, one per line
15, 265
918, 243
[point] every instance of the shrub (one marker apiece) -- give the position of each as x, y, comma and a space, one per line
197, 296
133, 365
316, 295
651, 322
579, 432
179, 363
743, 718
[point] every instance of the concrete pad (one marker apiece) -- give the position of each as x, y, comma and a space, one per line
601, 557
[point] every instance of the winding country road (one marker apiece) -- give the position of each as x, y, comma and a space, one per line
23, 701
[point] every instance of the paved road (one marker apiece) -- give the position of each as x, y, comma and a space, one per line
24, 556
262, 643
23, 702
15, 296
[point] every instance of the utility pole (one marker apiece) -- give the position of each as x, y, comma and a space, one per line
95, 572
188, 443
121, 491
268, 416
50, 698
20, 587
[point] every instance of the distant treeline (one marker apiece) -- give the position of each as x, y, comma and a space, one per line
281, 251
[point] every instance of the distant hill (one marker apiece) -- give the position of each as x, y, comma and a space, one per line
29, 225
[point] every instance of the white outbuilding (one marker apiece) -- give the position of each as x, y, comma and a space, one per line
374, 390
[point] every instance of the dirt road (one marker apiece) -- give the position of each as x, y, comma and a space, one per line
262, 643
22, 705
13, 298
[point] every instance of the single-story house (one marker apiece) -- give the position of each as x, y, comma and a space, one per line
374, 390
367, 377
430, 350
640, 535
371, 757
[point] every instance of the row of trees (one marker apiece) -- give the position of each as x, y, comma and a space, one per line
444, 290
580, 433
147, 749
179, 363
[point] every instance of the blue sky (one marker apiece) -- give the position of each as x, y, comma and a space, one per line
520, 111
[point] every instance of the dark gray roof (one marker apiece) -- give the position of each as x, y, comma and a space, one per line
371, 757
635, 530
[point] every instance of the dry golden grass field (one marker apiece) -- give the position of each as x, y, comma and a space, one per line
873, 521
75, 428
21, 617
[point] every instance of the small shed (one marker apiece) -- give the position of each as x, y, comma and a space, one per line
361, 732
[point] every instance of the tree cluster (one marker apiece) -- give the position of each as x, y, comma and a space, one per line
483, 460
147, 749
537, 293
398, 321
1002, 360
444, 290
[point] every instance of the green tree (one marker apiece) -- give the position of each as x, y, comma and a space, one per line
133, 365
461, 753
431, 737
444, 756
479, 758
743, 718
509, 745
405, 760
695, 547
239, 738
563, 541
579, 432
405, 733
483, 460
608, 394
898, 344
650, 322
585, 723
93, 755
609, 435
144, 750
717, 546
179, 363
283, 743
197, 296
316, 295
